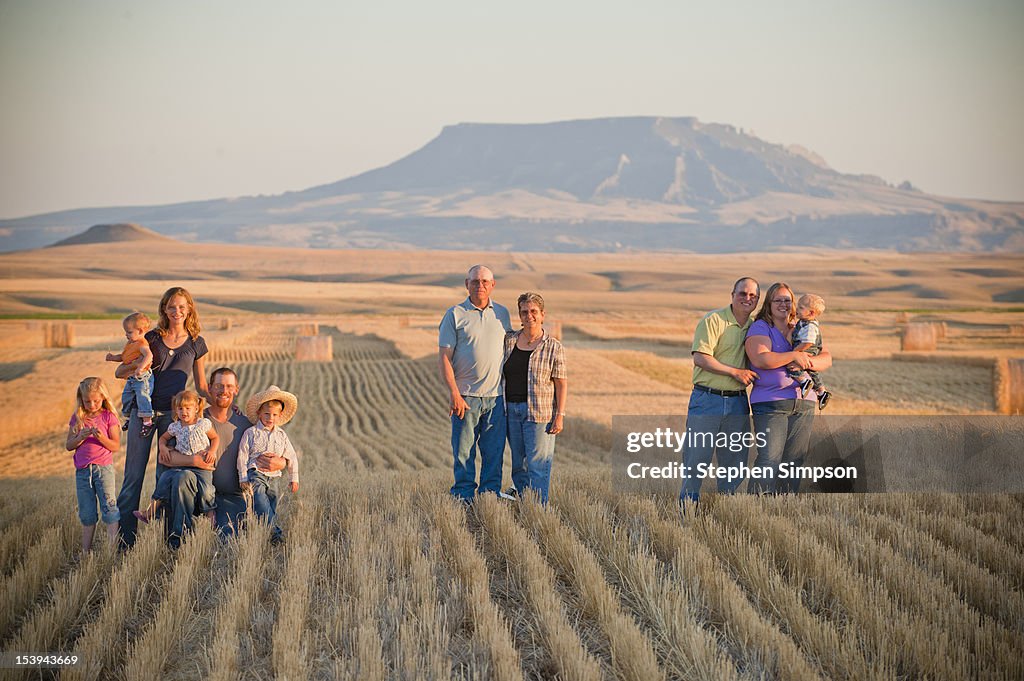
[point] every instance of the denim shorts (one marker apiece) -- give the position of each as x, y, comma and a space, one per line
93, 484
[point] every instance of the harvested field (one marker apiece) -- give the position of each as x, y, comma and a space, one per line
384, 576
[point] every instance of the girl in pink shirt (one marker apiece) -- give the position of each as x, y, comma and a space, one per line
94, 434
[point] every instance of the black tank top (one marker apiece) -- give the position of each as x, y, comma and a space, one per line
516, 370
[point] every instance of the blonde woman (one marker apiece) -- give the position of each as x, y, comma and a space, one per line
534, 385
178, 351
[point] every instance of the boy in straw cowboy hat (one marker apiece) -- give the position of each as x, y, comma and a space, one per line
268, 411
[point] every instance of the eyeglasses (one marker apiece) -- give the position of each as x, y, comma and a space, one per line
782, 301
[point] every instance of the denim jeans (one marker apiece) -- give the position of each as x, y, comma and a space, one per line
230, 513
181, 506
786, 425
136, 395
264, 499
533, 449
137, 450
93, 484
711, 415
206, 497
483, 427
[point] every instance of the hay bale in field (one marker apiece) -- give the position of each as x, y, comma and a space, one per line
1008, 386
902, 317
314, 349
1016, 329
918, 336
554, 329
941, 329
58, 335
225, 324
311, 329
403, 322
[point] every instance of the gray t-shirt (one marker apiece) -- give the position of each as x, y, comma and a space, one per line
229, 434
477, 338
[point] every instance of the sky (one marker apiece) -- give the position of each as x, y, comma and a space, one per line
108, 103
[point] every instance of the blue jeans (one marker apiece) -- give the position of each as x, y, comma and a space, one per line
136, 395
136, 459
710, 416
230, 513
93, 484
264, 499
483, 426
533, 449
786, 425
206, 498
181, 506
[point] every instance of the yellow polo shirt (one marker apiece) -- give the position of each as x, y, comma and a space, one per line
722, 337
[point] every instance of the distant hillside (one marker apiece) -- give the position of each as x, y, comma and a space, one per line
609, 184
124, 231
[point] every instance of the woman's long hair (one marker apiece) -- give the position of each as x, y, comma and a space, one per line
765, 313
92, 384
192, 324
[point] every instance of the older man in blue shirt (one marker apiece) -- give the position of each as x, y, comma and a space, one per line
470, 342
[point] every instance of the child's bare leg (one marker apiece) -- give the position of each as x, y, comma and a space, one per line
87, 534
112, 533
212, 515
150, 511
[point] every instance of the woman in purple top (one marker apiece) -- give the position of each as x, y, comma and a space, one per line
779, 413
178, 352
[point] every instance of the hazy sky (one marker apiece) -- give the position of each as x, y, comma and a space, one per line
119, 103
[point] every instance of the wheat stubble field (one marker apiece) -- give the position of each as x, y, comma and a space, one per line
383, 576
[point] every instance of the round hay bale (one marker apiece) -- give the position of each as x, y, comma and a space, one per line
225, 324
1016, 329
941, 329
1008, 386
403, 322
311, 329
314, 349
918, 336
902, 317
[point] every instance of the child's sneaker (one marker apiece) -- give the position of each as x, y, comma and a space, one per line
805, 385
147, 429
124, 426
823, 399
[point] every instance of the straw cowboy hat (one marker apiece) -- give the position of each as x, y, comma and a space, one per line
290, 402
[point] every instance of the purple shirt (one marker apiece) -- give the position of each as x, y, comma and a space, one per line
771, 384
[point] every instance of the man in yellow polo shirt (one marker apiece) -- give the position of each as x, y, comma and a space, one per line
718, 403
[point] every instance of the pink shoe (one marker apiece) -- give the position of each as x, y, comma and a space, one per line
141, 516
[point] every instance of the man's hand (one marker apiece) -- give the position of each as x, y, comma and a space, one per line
294, 487
457, 405
270, 462
744, 376
556, 425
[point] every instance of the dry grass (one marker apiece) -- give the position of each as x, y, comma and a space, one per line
383, 576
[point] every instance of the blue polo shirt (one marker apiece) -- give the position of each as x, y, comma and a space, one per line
477, 338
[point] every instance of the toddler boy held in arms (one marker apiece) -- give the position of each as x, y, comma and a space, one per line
807, 338
136, 355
